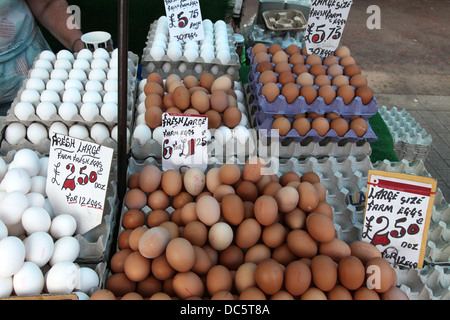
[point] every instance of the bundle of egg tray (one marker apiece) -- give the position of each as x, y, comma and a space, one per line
236, 224
298, 89
437, 250
411, 141
215, 53
221, 99
38, 247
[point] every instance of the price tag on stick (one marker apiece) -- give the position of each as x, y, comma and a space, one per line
326, 23
184, 142
397, 216
184, 19
78, 177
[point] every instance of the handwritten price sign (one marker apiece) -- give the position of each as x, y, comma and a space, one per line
185, 20
397, 216
184, 141
78, 179
326, 23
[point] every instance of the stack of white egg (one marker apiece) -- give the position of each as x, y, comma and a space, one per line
37, 248
216, 43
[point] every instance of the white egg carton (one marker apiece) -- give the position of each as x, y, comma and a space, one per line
411, 141
182, 66
437, 250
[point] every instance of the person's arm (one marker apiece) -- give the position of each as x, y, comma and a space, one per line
52, 14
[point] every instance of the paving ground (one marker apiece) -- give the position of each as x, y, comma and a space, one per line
407, 65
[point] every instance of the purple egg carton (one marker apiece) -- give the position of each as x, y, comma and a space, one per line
264, 126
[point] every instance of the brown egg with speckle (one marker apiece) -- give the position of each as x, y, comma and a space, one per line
359, 125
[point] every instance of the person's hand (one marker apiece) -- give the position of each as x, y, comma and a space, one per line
78, 45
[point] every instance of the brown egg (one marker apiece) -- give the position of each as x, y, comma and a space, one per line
336, 249
231, 257
173, 110
301, 243
232, 209
266, 210
281, 67
289, 176
119, 284
297, 278
168, 102
282, 295
264, 66
135, 199
188, 284
394, 293
296, 58
153, 99
352, 70
269, 276
339, 293
325, 208
340, 81
202, 261
189, 213
351, 272
153, 88
171, 182
102, 294
259, 47
328, 93
133, 218
272, 188
283, 255
282, 124
295, 219
267, 76
245, 276
171, 78
161, 269
214, 119
253, 169
302, 125
181, 199
358, 80
305, 79
229, 173
335, 70
324, 272
180, 254
322, 80
155, 77
321, 125
208, 210
340, 125
364, 251
182, 98
293, 49
365, 293
313, 59
123, 239
310, 177
206, 80
156, 217
287, 198
313, 294
359, 125
365, 93
137, 267
200, 101
190, 81
286, 77
222, 190
232, 117
218, 278
219, 100
300, 68
158, 200
320, 227
290, 91
309, 93
321, 191
132, 296
330, 60
247, 191
274, 235
317, 69
224, 83
274, 48
196, 232
379, 274
118, 259
247, 233
342, 51
152, 241
314, 115
261, 57
279, 56
347, 93
160, 296
194, 181
133, 181
153, 117
346, 61
252, 293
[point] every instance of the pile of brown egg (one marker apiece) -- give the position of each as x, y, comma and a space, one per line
237, 233
207, 95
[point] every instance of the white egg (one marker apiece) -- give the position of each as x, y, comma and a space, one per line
36, 219
72, 95
84, 54
114, 134
241, 133
3, 168
198, 68
65, 54
113, 74
92, 97
101, 53
35, 199
67, 111
114, 62
13, 206
207, 55
141, 108
36, 132
63, 64
58, 127
23, 110
174, 53
158, 134
66, 249
15, 132
182, 67
111, 85
142, 133
142, 97
82, 64
35, 84
207, 24
56, 85
12, 256
191, 45
99, 64
157, 52
221, 45
43, 163
74, 83
190, 54
89, 110
115, 53
160, 37
17, 179
38, 183
174, 43
79, 131
220, 24
244, 121
62, 278
49, 208
224, 56
63, 225
60, 74
111, 96
140, 119
223, 134
97, 74
30, 95
77, 74
109, 111
142, 84
88, 279
214, 70
48, 55
39, 73
46, 110
27, 160
93, 85
39, 248
6, 287
3, 230
207, 46
50, 96
29, 280
99, 133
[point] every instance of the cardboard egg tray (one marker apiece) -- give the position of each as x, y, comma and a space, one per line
411, 141
166, 66
438, 243
285, 20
